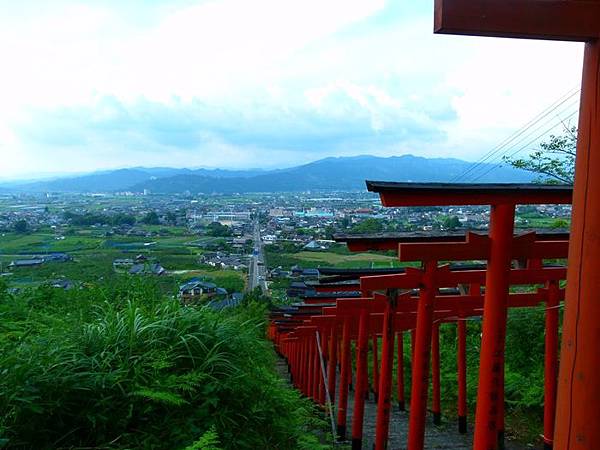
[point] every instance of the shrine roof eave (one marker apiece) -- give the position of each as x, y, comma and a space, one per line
441, 194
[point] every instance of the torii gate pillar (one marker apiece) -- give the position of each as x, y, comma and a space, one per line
578, 404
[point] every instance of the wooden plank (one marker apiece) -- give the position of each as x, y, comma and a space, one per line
564, 20
440, 194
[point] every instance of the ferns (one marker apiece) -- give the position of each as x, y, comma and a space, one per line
121, 367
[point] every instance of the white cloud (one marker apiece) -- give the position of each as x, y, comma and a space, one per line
310, 70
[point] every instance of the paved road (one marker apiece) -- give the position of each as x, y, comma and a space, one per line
257, 270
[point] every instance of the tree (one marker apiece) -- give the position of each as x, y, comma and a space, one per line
554, 161
368, 226
171, 217
217, 229
151, 218
451, 222
21, 226
123, 219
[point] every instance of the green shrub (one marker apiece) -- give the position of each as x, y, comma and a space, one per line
123, 367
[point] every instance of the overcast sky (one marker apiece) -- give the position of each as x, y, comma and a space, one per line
91, 85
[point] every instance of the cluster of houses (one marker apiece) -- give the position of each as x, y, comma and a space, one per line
38, 260
224, 260
140, 265
197, 290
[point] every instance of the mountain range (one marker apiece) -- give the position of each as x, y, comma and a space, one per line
341, 173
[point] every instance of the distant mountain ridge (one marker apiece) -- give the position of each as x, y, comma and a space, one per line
341, 173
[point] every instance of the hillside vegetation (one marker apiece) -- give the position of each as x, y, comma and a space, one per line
122, 366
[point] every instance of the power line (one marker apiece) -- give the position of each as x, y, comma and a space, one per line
496, 166
548, 110
529, 134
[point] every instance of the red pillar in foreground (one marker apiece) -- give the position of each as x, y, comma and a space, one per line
550, 363
462, 375
375, 366
578, 405
332, 362
311, 367
362, 350
436, 406
317, 375
385, 377
420, 370
344, 375
400, 371
491, 366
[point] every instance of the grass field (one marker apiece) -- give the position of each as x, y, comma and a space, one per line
330, 259
93, 255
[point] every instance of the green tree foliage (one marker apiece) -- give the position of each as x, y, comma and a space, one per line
171, 217
451, 222
89, 219
122, 219
368, 226
151, 218
21, 226
121, 366
554, 161
216, 229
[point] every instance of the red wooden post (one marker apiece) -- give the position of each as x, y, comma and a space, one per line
310, 368
303, 366
578, 402
343, 394
332, 363
550, 363
400, 372
420, 370
491, 366
362, 350
317, 374
375, 384
413, 341
436, 406
385, 377
462, 375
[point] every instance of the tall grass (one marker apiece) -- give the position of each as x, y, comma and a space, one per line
123, 367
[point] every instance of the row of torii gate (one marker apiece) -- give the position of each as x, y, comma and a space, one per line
419, 300
577, 415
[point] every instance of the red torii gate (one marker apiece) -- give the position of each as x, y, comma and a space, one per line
569, 20
498, 250
452, 305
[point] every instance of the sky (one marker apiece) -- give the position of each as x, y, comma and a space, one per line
93, 85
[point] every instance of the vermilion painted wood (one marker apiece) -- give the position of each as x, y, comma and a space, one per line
491, 367
573, 20
375, 367
578, 403
420, 370
332, 362
441, 194
384, 403
400, 372
451, 303
360, 392
462, 374
447, 278
551, 361
344, 377
477, 247
436, 400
